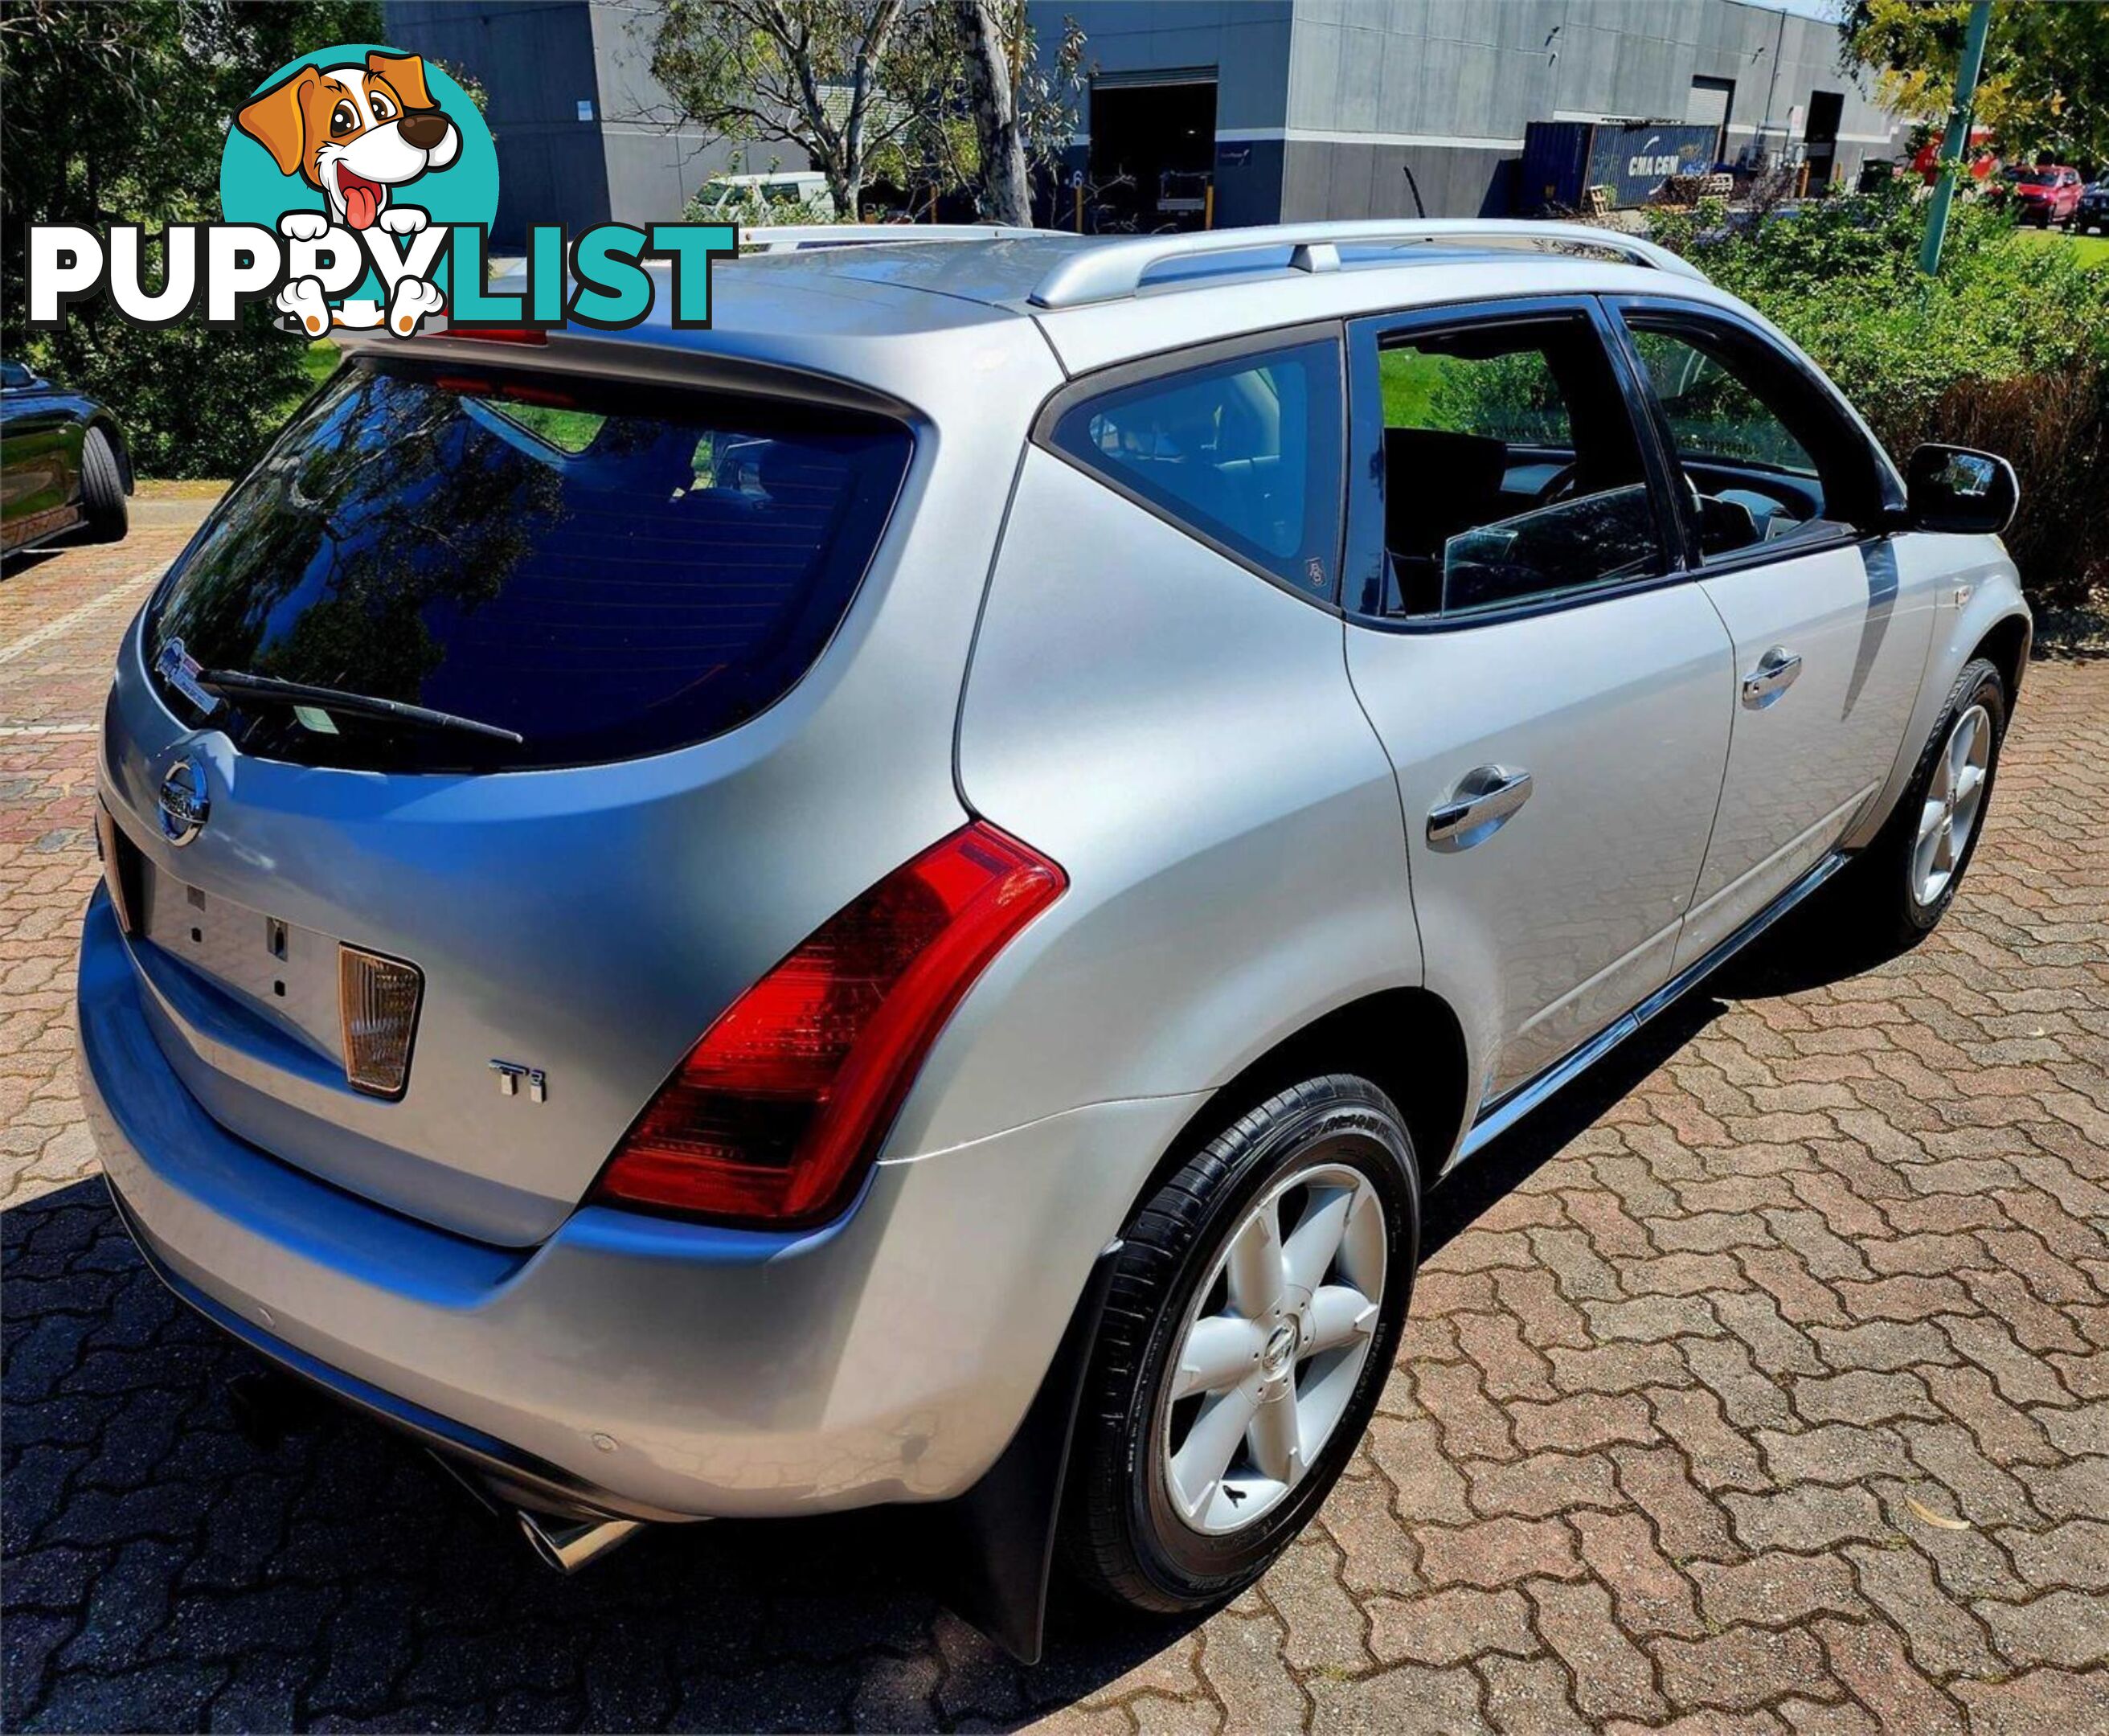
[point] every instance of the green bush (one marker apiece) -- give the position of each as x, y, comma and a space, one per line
194, 402
2054, 430
118, 114
2007, 350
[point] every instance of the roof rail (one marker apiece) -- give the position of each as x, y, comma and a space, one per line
1116, 269
802, 237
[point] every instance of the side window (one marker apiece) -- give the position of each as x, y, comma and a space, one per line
1511, 470
1761, 458
1245, 452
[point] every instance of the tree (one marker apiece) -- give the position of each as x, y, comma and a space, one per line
1024, 109
1006, 195
878, 89
808, 73
2045, 89
118, 114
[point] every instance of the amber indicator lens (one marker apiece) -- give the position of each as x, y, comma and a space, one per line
120, 869
377, 998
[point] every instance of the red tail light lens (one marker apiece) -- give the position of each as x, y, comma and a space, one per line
491, 334
778, 1109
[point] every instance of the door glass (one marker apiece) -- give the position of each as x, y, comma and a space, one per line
1749, 478
1510, 471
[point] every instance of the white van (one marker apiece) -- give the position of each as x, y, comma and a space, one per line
785, 194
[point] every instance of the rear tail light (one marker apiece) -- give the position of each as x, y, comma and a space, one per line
377, 1001
780, 1107
120, 869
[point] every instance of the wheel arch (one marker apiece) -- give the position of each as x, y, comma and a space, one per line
1407, 1041
2006, 646
1994, 622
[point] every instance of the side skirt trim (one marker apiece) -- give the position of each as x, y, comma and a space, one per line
1502, 1115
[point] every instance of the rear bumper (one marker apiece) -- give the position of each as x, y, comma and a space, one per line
641, 1366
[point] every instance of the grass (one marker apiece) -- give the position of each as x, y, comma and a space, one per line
1407, 378
2093, 249
155, 488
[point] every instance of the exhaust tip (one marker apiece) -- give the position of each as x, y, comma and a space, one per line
569, 1544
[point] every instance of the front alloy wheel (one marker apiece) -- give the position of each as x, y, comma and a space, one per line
1954, 802
1906, 879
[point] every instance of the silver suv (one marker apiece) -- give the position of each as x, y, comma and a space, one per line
897, 901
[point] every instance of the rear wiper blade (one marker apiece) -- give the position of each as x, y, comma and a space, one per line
233, 684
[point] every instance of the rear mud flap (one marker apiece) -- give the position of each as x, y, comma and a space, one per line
996, 1542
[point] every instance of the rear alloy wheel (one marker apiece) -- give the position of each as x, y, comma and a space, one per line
1254, 1315
1272, 1348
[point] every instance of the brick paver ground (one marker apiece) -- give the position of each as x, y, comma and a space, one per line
1762, 1385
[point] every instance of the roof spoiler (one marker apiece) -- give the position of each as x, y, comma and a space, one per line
1116, 270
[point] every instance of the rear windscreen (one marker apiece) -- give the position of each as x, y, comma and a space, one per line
604, 571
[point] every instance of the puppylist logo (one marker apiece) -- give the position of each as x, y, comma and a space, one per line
358, 184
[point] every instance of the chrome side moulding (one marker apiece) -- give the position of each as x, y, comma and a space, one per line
1499, 1117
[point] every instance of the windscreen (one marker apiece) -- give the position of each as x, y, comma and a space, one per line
604, 572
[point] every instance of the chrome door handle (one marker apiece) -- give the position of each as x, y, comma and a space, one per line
1482, 803
1776, 672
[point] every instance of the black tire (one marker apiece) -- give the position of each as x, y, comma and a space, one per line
1881, 890
1121, 1538
103, 489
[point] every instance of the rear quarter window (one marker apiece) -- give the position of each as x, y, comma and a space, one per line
605, 573
1243, 452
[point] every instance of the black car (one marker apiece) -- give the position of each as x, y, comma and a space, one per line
2093, 211
63, 463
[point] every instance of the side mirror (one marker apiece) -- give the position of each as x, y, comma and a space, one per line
1954, 489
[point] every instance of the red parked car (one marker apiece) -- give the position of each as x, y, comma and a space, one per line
2047, 193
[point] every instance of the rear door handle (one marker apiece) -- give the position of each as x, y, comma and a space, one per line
1776, 671
1482, 803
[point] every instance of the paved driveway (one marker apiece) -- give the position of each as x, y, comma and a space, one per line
1768, 1377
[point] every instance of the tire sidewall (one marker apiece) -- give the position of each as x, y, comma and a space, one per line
102, 488
1193, 1567
1988, 690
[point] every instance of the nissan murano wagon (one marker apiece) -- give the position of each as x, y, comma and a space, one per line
898, 901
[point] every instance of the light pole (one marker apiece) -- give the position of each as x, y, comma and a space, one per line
1957, 144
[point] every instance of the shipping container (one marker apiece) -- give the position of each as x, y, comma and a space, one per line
1563, 159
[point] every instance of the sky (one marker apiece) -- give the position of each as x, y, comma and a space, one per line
1827, 10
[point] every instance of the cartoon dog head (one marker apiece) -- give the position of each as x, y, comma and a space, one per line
354, 131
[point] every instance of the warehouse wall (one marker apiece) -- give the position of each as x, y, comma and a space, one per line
538, 61
1246, 42
652, 169
534, 61
1323, 103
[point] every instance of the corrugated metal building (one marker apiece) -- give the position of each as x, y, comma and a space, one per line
1317, 108
579, 121
1291, 109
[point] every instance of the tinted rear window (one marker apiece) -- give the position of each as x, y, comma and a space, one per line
607, 572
